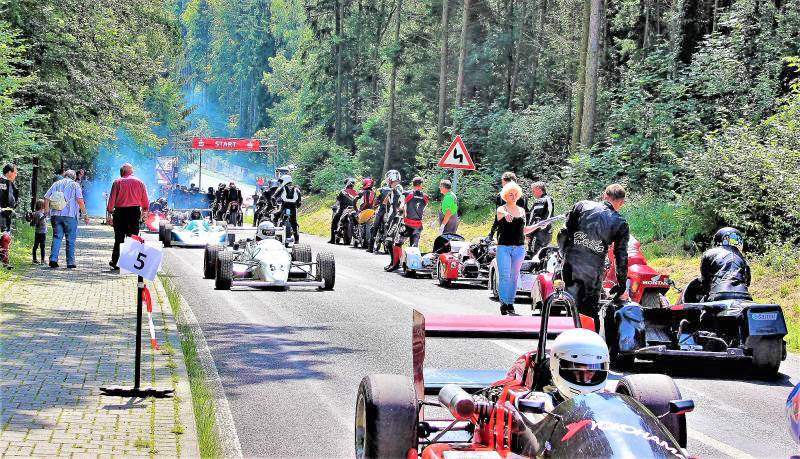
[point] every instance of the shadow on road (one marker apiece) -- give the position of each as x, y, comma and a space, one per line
706, 370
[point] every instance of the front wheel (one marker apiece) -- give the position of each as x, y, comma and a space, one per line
493, 281
224, 278
386, 417
210, 260
167, 235
655, 392
301, 253
326, 270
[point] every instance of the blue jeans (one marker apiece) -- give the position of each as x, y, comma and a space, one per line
64, 227
509, 262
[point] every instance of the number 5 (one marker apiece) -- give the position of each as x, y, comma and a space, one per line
140, 261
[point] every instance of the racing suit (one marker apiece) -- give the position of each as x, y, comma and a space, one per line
232, 195
219, 202
263, 206
542, 209
498, 201
8, 199
415, 203
344, 200
590, 229
724, 274
290, 199
383, 192
394, 199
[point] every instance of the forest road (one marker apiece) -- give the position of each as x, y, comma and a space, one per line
291, 362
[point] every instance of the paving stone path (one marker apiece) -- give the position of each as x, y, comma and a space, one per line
64, 333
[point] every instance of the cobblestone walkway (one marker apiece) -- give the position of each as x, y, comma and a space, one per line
64, 334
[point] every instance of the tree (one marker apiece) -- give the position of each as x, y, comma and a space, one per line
442, 74
592, 61
462, 56
392, 88
579, 88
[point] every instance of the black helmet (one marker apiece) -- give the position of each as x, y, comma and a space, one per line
728, 236
349, 182
196, 215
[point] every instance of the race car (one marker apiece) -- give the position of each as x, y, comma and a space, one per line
722, 330
517, 413
268, 262
198, 232
152, 222
468, 263
416, 263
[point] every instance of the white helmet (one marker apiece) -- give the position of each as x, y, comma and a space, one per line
579, 362
266, 230
286, 179
392, 176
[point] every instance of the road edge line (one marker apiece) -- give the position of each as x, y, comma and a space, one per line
224, 425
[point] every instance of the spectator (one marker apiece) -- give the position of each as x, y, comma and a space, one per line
8, 200
126, 203
448, 216
506, 178
66, 194
542, 209
39, 222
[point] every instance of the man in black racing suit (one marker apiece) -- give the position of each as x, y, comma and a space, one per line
264, 203
394, 200
289, 198
344, 200
724, 273
383, 208
590, 229
414, 203
542, 209
219, 201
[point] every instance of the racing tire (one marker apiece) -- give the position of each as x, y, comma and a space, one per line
326, 270
767, 355
301, 253
386, 417
651, 299
210, 256
493, 281
655, 391
409, 273
224, 277
161, 232
440, 269
167, 235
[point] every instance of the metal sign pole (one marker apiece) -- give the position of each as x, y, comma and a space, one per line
456, 175
140, 287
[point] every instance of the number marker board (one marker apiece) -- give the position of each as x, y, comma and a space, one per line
139, 258
457, 156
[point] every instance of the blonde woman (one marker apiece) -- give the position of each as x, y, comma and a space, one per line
511, 231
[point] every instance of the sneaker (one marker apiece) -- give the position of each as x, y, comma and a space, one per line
113, 266
53, 264
71, 266
35, 261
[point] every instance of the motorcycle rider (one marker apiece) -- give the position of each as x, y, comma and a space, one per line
394, 200
724, 273
414, 203
344, 199
219, 201
289, 198
498, 201
383, 207
542, 209
591, 228
233, 195
369, 201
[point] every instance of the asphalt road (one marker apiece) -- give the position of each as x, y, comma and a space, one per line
291, 362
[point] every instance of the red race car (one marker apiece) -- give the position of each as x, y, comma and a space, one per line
525, 412
468, 262
153, 220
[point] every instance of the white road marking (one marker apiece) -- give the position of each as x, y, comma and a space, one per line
718, 445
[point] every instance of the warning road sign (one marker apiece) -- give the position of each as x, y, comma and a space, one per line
457, 156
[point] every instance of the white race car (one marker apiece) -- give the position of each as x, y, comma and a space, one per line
268, 262
195, 233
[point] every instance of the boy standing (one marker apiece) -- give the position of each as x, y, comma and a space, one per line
39, 222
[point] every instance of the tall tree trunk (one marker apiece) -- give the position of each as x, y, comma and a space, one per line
579, 89
463, 56
510, 48
387, 151
537, 46
339, 11
442, 74
590, 92
517, 54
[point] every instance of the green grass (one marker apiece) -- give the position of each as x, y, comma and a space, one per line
664, 231
202, 398
20, 250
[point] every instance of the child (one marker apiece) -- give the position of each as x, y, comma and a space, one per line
39, 221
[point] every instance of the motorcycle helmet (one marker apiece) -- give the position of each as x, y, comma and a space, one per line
366, 183
393, 176
286, 179
196, 215
579, 362
728, 236
273, 183
221, 186
266, 230
349, 182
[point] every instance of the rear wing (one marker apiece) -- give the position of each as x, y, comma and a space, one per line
474, 326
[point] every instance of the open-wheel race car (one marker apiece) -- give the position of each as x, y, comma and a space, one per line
737, 329
269, 260
196, 232
417, 263
468, 262
522, 412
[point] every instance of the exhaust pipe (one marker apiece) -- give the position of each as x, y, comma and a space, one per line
458, 401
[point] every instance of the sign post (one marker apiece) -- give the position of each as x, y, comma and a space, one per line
138, 258
457, 158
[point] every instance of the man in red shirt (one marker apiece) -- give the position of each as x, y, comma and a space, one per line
127, 202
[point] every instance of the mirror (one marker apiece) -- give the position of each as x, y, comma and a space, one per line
530, 406
681, 406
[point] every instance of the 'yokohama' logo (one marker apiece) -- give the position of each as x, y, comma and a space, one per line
608, 426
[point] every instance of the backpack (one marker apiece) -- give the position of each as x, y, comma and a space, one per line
57, 200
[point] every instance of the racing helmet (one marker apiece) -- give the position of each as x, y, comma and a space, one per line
266, 230
349, 182
393, 175
366, 183
273, 183
579, 362
196, 215
221, 186
286, 179
728, 236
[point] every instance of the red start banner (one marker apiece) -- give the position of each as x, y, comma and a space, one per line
226, 144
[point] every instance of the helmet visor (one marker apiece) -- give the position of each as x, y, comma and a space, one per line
583, 374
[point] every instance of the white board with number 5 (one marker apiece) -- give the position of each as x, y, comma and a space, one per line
139, 258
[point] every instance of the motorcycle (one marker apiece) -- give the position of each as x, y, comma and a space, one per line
380, 234
346, 226
282, 218
363, 230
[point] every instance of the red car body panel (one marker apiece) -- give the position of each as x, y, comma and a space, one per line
151, 222
451, 264
641, 276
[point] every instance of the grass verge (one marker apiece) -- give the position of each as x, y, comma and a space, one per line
774, 281
20, 250
202, 398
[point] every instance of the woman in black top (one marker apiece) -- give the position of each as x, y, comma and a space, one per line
511, 232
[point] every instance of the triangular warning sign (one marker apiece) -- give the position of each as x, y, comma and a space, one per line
457, 156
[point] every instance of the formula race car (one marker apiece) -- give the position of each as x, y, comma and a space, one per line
729, 329
469, 263
195, 233
153, 221
415, 263
518, 413
268, 262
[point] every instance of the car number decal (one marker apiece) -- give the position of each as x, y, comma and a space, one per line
764, 316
